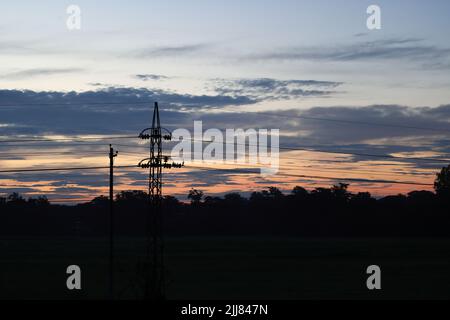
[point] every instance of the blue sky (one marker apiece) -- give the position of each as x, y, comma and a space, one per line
198, 40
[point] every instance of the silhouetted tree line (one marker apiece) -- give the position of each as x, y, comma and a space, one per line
322, 212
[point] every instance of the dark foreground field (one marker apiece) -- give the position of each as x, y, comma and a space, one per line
231, 268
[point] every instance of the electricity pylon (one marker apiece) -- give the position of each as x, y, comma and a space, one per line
154, 265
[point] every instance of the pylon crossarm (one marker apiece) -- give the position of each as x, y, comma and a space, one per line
167, 136
155, 133
173, 165
141, 164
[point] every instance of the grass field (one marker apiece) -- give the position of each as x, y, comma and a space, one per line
231, 268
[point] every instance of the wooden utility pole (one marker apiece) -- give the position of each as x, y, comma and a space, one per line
112, 154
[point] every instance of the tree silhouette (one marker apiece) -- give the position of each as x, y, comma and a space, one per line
340, 191
362, 198
16, 198
195, 196
101, 201
442, 182
212, 201
275, 193
170, 201
322, 195
299, 192
332, 211
134, 195
40, 201
234, 199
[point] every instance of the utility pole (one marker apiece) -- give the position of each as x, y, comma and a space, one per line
154, 276
112, 155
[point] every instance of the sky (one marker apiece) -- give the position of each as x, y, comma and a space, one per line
227, 63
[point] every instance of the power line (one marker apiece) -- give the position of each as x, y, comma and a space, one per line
75, 139
67, 200
47, 153
76, 143
237, 170
298, 166
337, 170
335, 152
349, 121
63, 169
304, 117
311, 149
240, 170
282, 157
346, 170
138, 154
386, 156
24, 104
301, 160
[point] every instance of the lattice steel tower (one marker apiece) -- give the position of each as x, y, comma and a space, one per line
154, 262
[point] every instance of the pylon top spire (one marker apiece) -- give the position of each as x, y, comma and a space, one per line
156, 122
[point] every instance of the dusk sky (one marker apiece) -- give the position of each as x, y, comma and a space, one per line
227, 63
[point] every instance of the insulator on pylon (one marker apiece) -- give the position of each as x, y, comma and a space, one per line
177, 165
144, 136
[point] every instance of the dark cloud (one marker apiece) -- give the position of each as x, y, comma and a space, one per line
400, 48
267, 88
170, 51
119, 110
377, 129
8, 190
116, 95
101, 111
39, 72
146, 77
350, 124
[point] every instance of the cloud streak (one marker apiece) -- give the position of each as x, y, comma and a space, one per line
273, 89
170, 51
23, 74
147, 77
389, 49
